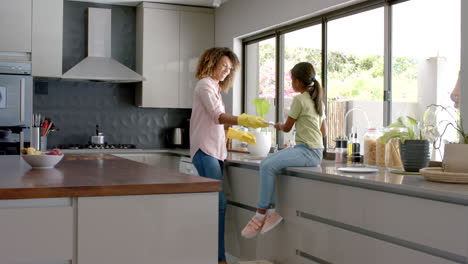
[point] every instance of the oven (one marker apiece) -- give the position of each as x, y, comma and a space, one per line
15, 103
15, 94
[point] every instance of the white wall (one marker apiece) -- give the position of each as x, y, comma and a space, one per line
240, 18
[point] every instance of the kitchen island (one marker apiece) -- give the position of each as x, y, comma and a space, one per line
99, 208
336, 217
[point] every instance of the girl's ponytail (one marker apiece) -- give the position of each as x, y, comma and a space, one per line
316, 93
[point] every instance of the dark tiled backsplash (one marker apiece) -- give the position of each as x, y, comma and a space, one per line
76, 108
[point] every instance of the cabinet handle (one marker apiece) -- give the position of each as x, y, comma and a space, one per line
22, 89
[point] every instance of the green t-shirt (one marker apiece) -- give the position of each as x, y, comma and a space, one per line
308, 121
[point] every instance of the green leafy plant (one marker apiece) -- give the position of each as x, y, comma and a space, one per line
262, 106
406, 128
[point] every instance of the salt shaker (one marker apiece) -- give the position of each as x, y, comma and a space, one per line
341, 152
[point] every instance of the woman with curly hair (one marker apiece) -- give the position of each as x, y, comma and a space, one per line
215, 72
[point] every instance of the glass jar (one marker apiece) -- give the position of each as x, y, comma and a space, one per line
392, 151
392, 154
370, 146
380, 154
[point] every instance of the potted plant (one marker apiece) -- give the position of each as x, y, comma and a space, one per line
263, 136
414, 142
455, 153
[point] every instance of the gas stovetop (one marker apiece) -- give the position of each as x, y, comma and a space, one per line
96, 146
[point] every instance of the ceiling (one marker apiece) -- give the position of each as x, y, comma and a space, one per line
208, 3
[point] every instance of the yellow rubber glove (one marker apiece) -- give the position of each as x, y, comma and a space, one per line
241, 136
251, 121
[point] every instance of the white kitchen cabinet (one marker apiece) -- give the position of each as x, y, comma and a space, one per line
36, 230
15, 25
47, 34
340, 246
339, 223
404, 217
148, 229
196, 35
435, 224
243, 187
170, 39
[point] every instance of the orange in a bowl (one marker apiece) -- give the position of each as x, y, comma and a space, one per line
42, 161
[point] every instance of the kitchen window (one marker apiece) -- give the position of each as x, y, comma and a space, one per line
299, 45
425, 65
376, 60
260, 73
355, 77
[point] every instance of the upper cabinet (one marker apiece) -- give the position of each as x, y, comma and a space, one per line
15, 25
196, 35
47, 32
170, 39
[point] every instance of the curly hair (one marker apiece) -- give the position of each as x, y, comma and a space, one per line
208, 61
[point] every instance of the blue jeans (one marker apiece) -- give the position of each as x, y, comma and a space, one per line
212, 168
298, 156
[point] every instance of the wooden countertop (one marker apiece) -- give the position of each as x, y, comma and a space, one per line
79, 175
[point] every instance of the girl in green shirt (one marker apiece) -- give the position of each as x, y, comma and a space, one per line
307, 112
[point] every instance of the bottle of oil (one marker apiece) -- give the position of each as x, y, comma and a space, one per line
354, 149
350, 149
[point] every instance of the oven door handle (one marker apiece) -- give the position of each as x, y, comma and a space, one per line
22, 98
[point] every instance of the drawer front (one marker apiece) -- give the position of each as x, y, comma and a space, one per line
169, 228
332, 201
270, 246
426, 222
334, 245
36, 234
242, 186
431, 223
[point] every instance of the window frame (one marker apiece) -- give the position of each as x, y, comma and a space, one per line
323, 19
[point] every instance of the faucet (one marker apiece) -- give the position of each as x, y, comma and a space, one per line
353, 109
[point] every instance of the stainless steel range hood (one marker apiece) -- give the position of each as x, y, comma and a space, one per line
99, 66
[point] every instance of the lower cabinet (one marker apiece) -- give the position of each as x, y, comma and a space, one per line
328, 222
36, 231
144, 229
140, 229
316, 240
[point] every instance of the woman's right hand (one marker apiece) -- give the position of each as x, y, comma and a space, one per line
251, 121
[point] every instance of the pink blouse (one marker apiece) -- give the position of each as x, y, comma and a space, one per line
206, 133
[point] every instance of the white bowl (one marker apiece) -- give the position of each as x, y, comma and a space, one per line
263, 145
42, 161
